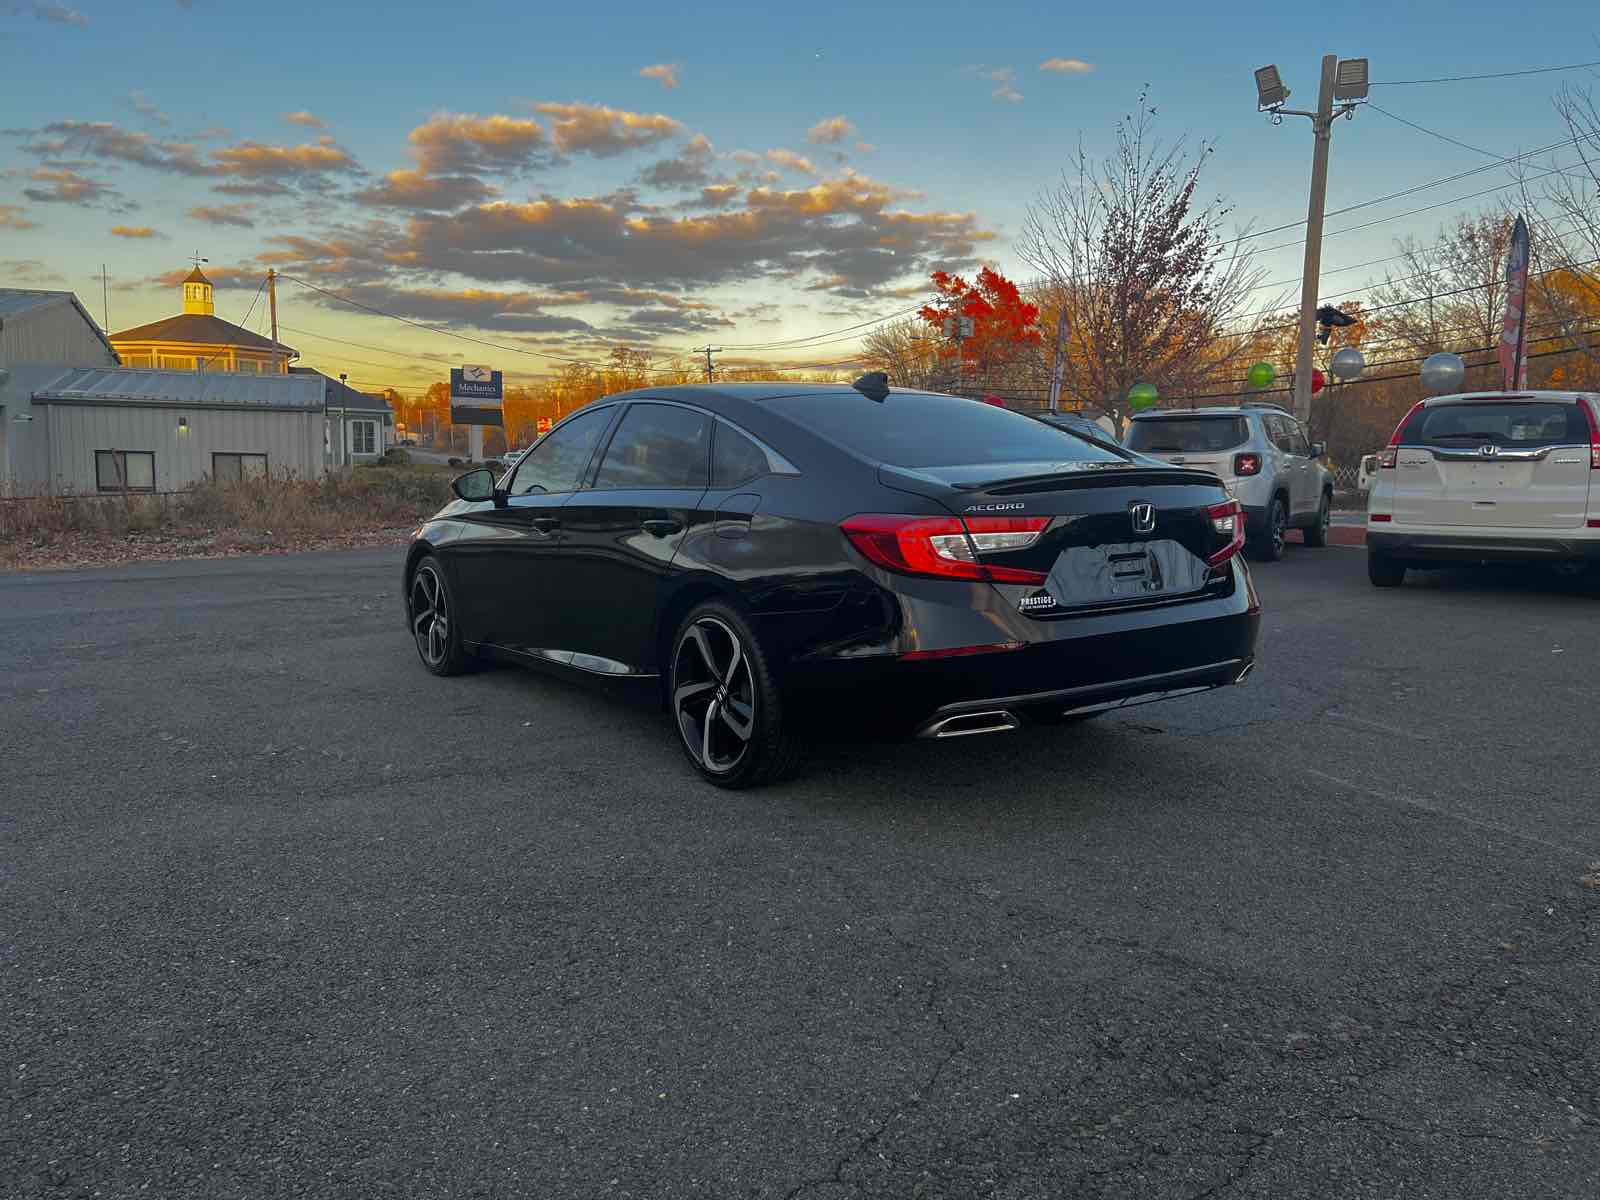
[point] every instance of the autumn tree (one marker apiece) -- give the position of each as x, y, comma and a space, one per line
1449, 293
1140, 264
1005, 327
1563, 204
907, 351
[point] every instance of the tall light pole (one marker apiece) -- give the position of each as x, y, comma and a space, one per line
1344, 82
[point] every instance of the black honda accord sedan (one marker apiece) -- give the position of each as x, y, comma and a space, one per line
774, 558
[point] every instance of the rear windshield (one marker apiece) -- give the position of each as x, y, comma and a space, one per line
919, 429
1500, 422
1162, 435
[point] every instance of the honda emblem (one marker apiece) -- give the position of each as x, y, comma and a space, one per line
1143, 515
1489, 451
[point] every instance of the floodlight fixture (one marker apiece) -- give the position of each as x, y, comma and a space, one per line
1350, 80
1270, 92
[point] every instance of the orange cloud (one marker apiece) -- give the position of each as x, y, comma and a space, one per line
66, 187
302, 117
133, 231
224, 214
466, 141
667, 73
1066, 66
830, 132
793, 161
415, 189
256, 159
603, 132
11, 218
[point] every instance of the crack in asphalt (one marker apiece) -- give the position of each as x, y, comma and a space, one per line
836, 1175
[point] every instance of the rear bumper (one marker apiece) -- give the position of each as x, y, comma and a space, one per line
1425, 547
1088, 698
1041, 680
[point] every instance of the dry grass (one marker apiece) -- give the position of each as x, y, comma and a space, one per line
217, 517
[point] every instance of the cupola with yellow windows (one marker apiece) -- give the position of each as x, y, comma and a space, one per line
199, 340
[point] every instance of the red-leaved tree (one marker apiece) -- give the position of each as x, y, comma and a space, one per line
1004, 325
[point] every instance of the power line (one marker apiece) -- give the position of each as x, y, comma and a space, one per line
1492, 75
1445, 137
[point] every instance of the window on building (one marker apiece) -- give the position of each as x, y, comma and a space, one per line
136, 360
125, 470
249, 366
177, 362
231, 468
364, 437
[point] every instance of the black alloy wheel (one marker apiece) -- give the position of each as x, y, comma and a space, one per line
429, 610
1317, 535
1269, 547
725, 702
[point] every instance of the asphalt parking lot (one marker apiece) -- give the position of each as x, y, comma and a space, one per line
283, 915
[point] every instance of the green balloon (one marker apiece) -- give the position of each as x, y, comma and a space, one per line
1261, 375
1142, 396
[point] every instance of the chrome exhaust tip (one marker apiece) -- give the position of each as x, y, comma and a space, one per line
967, 724
1248, 667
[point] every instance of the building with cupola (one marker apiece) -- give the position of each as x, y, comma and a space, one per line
199, 340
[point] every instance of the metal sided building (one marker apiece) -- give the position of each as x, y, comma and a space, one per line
50, 327
83, 430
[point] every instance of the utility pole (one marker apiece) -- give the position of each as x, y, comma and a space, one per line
708, 351
272, 306
1343, 82
1321, 125
1058, 365
105, 298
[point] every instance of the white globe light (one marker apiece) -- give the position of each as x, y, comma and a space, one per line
1348, 363
1443, 373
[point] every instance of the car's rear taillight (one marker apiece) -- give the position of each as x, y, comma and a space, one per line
1390, 454
945, 547
1593, 412
1227, 519
1247, 464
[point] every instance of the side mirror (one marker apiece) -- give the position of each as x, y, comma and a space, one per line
1319, 449
476, 485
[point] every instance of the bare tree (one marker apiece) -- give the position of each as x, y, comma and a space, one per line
1450, 293
909, 351
1566, 230
1141, 265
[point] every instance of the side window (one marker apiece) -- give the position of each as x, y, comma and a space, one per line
1299, 440
1278, 431
557, 463
735, 458
656, 446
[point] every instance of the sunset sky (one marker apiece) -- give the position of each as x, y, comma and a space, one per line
558, 178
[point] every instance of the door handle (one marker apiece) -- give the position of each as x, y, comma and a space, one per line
661, 526
546, 524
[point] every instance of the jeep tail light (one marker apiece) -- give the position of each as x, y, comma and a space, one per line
1389, 455
1227, 519
945, 547
1247, 464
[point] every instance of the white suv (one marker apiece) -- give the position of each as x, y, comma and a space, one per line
1488, 477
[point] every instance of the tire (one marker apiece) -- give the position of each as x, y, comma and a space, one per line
1384, 571
1269, 546
726, 703
1317, 534
430, 614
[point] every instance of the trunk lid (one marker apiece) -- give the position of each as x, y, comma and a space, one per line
1511, 462
1125, 534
